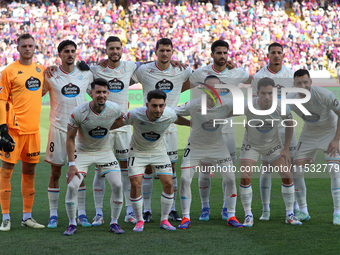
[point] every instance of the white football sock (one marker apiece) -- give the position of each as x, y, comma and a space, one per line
175, 186
334, 172
166, 203
204, 184
185, 189
81, 200
98, 189
300, 186
116, 200
53, 198
126, 188
246, 194
265, 188
71, 199
147, 185
137, 205
288, 197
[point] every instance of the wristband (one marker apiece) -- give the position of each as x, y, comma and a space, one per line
71, 163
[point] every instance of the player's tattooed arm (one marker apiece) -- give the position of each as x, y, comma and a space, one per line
333, 146
118, 122
182, 121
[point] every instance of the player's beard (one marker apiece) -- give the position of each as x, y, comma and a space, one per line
220, 63
115, 60
70, 63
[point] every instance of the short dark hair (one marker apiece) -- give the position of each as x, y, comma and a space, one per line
219, 43
24, 37
275, 44
211, 77
264, 82
99, 82
301, 72
163, 41
65, 43
157, 94
112, 39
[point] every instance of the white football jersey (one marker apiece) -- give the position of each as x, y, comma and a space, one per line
284, 78
147, 135
119, 81
170, 81
230, 77
93, 128
67, 90
204, 134
322, 106
263, 130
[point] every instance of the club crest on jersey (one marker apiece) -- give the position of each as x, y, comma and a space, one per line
98, 132
115, 85
70, 90
32, 84
80, 77
38, 69
164, 85
151, 136
209, 126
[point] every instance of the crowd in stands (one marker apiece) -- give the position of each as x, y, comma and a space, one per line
308, 30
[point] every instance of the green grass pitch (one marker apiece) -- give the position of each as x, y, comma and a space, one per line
318, 236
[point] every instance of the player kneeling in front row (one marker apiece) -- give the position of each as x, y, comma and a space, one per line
148, 148
262, 138
91, 123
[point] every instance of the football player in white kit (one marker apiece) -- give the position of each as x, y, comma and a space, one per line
262, 138
148, 148
220, 68
321, 131
162, 75
118, 74
87, 143
67, 89
205, 144
283, 77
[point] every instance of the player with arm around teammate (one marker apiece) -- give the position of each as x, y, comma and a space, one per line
147, 148
87, 143
321, 131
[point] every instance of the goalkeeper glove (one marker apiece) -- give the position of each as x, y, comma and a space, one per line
83, 66
7, 143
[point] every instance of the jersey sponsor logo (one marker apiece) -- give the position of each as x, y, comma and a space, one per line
33, 84
221, 161
264, 127
336, 102
115, 85
114, 163
209, 126
70, 90
33, 154
163, 166
311, 118
164, 85
272, 150
98, 132
171, 153
122, 151
151, 136
38, 69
